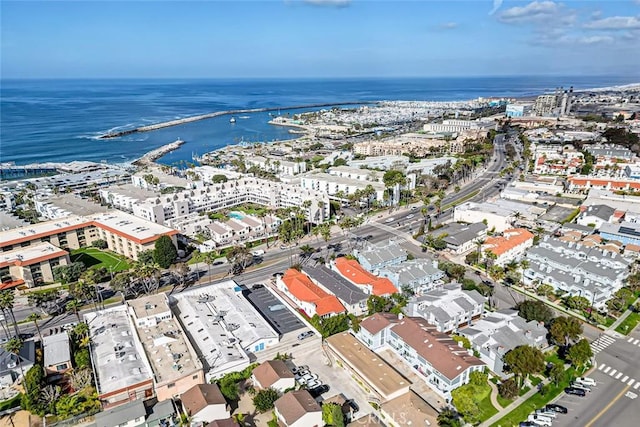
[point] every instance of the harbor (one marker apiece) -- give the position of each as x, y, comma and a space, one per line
154, 155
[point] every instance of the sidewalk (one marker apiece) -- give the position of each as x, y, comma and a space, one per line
515, 404
621, 318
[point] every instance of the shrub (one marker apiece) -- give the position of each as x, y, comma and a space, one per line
100, 244
508, 389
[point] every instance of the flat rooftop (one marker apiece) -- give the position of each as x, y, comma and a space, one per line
118, 357
41, 229
130, 190
57, 349
369, 365
166, 347
151, 305
75, 205
10, 221
31, 254
131, 227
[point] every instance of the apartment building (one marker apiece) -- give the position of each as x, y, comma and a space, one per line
351, 270
447, 308
500, 332
124, 233
511, 246
375, 256
335, 184
176, 366
450, 126
32, 265
584, 182
576, 269
418, 275
596, 215
121, 369
462, 238
498, 215
276, 165
308, 296
351, 296
626, 232
215, 197
439, 360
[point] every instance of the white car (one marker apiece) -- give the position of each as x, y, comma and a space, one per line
410, 216
313, 384
544, 413
389, 220
540, 420
586, 381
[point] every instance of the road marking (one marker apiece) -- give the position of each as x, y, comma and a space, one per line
630, 339
619, 375
626, 377
601, 367
636, 342
631, 381
606, 408
635, 387
607, 370
613, 372
631, 395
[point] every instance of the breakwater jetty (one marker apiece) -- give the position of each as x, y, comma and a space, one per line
190, 119
151, 156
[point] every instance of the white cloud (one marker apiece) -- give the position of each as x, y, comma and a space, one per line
614, 23
331, 3
496, 6
534, 11
448, 26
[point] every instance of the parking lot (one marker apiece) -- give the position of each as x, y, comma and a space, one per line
281, 319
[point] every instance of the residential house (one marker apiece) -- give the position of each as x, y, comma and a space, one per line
447, 308
12, 366
308, 296
418, 275
139, 413
500, 332
275, 374
627, 233
351, 296
378, 255
511, 246
439, 360
204, 403
369, 283
462, 238
298, 409
57, 353
596, 215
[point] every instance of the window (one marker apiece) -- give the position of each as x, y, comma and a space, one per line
61, 367
195, 377
171, 385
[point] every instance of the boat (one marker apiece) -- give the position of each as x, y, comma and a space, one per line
232, 120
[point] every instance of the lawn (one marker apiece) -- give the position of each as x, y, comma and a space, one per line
486, 408
504, 402
536, 401
96, 258
629, 323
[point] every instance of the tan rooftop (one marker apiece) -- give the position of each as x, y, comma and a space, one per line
411, 410
369, 365
295, 404
269, 372
150, 305
200, 396
378, 322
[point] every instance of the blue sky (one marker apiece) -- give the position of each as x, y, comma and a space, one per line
318, 38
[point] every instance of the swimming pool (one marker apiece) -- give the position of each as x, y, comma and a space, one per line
235, 215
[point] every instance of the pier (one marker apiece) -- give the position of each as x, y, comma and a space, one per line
184, 120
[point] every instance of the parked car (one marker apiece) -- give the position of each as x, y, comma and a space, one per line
353, 405
581, 386
545, 413
317, 391
575, 391
586, 381
305, 335
300, 368
301, 373
257, 286
313, 384
556, 408
527, 424
540, 420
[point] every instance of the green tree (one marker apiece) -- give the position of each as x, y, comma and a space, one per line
464, 340
465, 404
448, 418
100, 244
68, 273
544, 290
564, 330
578, 303
556, 373
164, 252
580, 353
377, 304
332, 415
524, 360
478, 378
7, 300
264, 399
34, 317
82, 358
508, 389
74, 305
534, 310
218, 179
146, 257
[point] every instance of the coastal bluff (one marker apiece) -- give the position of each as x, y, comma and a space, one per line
190, 119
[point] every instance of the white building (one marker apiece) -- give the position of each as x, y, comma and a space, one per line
447, 308
450, 126
333, 184
276, 165
498, 215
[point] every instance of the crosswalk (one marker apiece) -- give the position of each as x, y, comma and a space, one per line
614, 373
601, 343
634, 341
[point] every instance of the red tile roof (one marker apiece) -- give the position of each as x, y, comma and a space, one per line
510, 239
304, 289
353, 271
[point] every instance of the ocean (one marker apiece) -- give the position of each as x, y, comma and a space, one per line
59, 120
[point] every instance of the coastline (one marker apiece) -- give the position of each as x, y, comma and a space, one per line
150, 157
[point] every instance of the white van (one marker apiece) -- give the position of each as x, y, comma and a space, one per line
257, 252
586, 381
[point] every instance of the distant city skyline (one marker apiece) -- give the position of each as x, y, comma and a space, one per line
318, 38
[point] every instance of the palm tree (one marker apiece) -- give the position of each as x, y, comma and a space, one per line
306, 251
49, 396
7, 299
81, 329
479, 243
74, 305
34, 317
209, 258
14, 345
